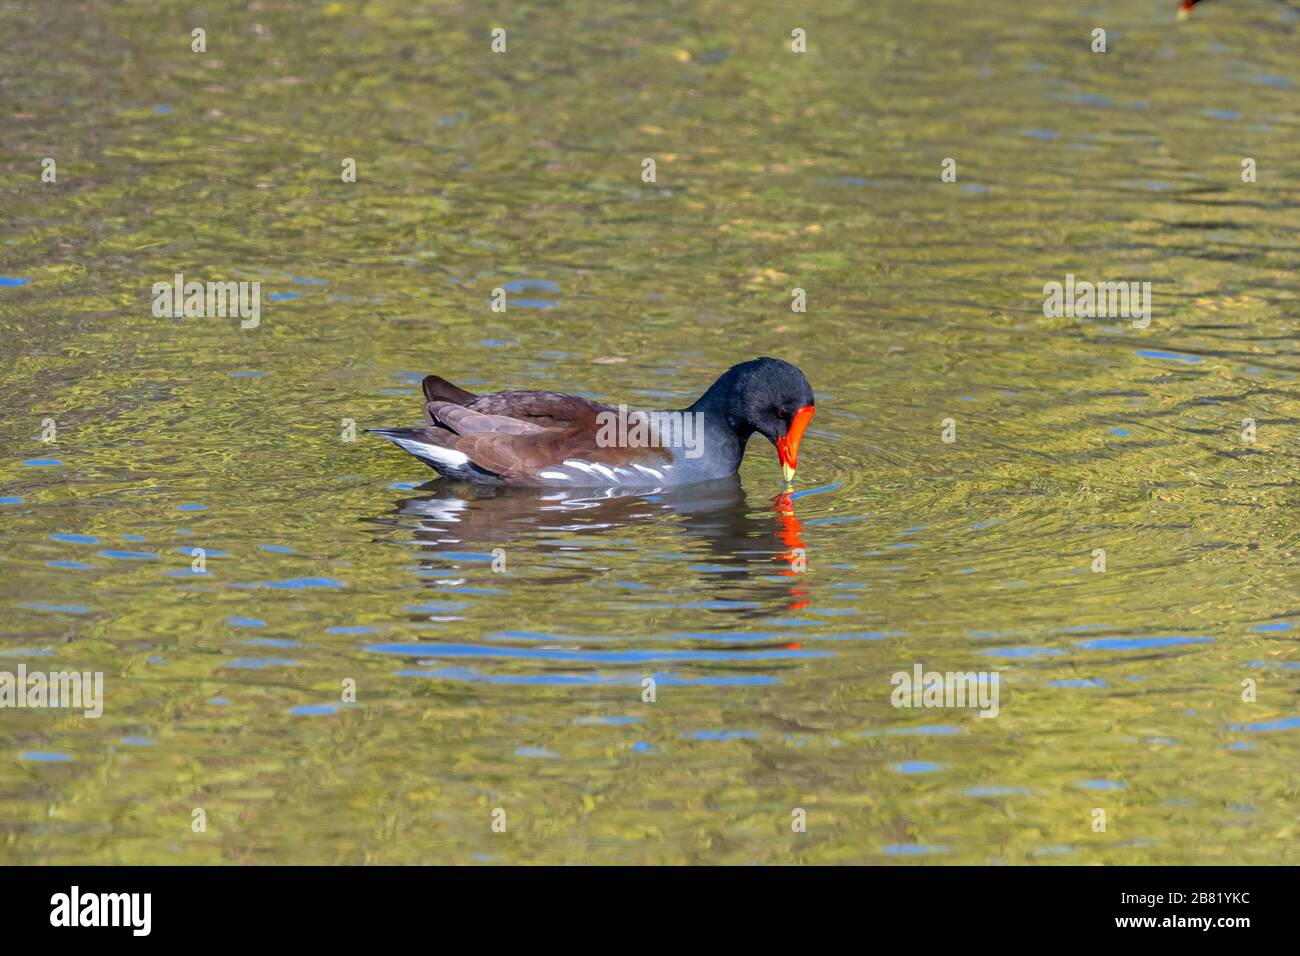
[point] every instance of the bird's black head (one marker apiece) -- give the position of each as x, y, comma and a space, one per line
767, 396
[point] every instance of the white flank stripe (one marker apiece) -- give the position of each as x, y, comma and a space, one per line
649, 471
555, 474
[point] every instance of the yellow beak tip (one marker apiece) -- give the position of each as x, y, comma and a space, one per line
788, 472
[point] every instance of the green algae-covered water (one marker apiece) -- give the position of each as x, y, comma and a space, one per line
313, 654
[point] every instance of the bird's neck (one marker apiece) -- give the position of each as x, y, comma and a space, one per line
725, 433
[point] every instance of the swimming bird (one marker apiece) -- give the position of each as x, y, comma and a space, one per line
549, 439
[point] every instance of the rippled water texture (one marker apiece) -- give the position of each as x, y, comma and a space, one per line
481, 687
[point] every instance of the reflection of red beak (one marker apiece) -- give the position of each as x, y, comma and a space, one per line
789, 531
787, 446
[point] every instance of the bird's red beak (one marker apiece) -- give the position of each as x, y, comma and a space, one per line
787, 446
1186, 9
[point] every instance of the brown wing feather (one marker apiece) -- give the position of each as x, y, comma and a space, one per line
548, 409
463, 421
438, 389
520, 433
521, 457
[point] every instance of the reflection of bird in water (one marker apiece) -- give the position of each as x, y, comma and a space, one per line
737, 540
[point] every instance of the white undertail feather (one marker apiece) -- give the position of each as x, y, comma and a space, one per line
443, 456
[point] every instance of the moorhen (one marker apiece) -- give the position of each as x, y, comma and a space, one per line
552, 440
